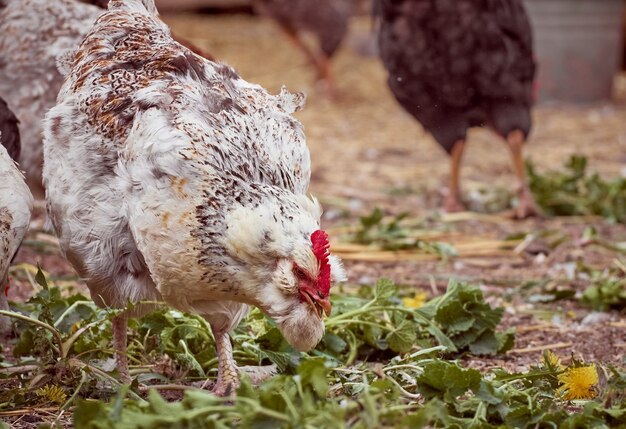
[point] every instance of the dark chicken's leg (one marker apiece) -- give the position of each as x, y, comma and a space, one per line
526, 206
120, 323
453, 202
325, 76
320, 62
227, 375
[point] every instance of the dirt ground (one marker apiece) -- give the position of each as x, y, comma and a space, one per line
367, 152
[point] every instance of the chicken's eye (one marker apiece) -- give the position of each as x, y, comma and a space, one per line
300, 273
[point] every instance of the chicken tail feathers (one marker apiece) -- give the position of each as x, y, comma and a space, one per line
136, 5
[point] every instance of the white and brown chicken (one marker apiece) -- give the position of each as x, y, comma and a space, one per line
170, 177
16, 203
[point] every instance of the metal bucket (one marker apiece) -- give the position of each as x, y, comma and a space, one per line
578, 44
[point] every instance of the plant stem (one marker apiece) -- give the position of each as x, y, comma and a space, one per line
357, 322
71, 308
55, 333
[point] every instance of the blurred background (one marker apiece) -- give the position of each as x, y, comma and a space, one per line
361, 136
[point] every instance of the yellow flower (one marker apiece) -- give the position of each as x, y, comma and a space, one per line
578, 382
551, 360
52, 393
416, 302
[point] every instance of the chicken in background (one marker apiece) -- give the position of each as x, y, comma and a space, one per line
33, 33
460, 64
170, 178
326, 20
16, 204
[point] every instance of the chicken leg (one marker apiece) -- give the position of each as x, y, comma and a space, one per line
119, 326
227, 375
321, 62
453, 202
526, 205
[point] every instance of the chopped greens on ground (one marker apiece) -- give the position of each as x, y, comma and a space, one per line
386, 360
398, 233
574, 192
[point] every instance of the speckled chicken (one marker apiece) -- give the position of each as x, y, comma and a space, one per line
16, 203
456, 64
32, 34
327, 20
170, 177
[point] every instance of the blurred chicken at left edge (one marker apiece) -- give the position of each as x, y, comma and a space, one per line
16, 203
33, 33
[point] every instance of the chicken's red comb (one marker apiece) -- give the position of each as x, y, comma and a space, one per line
320, 249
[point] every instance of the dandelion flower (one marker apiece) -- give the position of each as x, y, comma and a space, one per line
416, 302
551, 360
52, 393
578, 382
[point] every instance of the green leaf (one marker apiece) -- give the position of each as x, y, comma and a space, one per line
447, 381
403, 337
372, 219
92, 414
385, 289
334, 343
467, 320
486, 344
506, 340
313, 373
40, 278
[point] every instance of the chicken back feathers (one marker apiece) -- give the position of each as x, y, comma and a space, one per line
169, 176
32, 34
454, 64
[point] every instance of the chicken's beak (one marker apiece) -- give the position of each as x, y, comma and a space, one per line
319, 305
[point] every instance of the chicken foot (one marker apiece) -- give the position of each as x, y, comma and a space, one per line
228, 371
526, 205
453, 202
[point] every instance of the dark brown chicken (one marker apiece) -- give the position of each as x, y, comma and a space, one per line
327, 20
9, 131
456, 64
